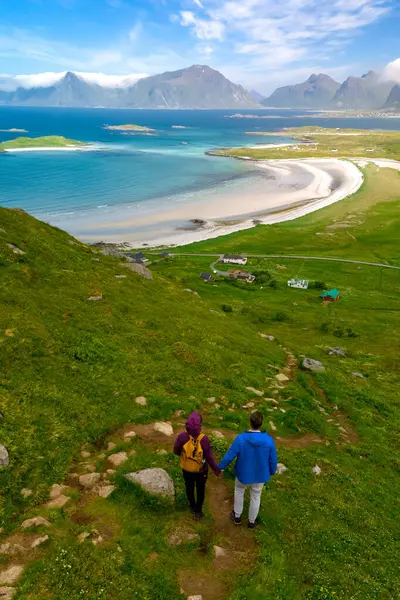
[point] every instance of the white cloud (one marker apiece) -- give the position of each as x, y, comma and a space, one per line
392, 71
205, 50
198, 3
203, 29
37, 80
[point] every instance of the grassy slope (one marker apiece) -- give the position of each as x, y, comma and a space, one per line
47, 141
72, 368
329, 533
385, 144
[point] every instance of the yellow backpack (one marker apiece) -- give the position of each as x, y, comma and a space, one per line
192, 458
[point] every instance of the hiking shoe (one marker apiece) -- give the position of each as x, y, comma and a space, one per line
251, 525
235, 519
198, 515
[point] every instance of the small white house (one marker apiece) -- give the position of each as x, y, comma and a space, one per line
234, 259
301, 284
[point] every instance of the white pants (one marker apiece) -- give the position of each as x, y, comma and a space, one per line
255, 499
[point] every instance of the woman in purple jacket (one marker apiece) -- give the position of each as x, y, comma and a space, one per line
194, 449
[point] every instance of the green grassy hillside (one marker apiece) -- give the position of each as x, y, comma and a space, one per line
47, 141
71, 369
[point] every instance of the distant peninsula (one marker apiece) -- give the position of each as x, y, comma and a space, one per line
129, 128
47, 142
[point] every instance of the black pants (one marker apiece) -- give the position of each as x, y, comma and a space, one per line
198, 481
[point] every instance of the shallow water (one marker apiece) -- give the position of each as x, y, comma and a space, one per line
135, 174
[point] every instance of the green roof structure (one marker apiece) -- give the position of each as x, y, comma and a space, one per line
334, 294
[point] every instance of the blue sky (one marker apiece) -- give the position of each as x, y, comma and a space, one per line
259, 43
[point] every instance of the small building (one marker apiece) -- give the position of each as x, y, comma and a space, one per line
301, 284
331, 296
242, 276
205, 276
139, 255
234, 259
164, 254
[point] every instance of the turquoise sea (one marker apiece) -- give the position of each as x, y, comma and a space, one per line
130, 174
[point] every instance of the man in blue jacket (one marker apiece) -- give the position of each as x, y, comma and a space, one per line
256, 461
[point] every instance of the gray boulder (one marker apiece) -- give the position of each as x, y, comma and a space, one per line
139, 269
155, 481
312, 365
4, 458
337, 351
359, 375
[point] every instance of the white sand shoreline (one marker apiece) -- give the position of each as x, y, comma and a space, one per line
88, 148
229, 214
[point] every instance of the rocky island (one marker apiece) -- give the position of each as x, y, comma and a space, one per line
129, 128
47, 142
14, 130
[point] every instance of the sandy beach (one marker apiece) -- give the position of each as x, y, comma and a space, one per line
88, 148
291, 189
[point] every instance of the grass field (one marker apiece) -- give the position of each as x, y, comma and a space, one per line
72, 368
317, 142
46, 141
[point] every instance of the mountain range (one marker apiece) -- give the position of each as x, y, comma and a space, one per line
202, 87
370, 91
194, 87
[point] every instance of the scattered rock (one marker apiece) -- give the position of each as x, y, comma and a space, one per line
83, 536
11, 575
317, 470
164, 428
155, 481
281, 469
56, 490
211, 400
197, 597
141, 400
10, 549
58, 502
162, 452
1, 530
266, 336
90, 468
89, 480
139, 269
15, 249
111, 471
218, 435
120, 276
35, 522
281, 267
129, 435
85, 454
282, 377
254, 391
336, 351
131, 452
4, 458
117, 459
7, 593
274, 400
98, 540
39, 541
95, 298
26, 492
182, 536
248, 405
342, 429
312, 365
360, 375
272, 425
2, 230
111, 446
219, 552
105, 490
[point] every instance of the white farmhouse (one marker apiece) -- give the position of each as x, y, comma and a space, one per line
302, 284
234, 259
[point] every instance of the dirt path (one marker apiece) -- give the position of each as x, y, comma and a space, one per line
237, 545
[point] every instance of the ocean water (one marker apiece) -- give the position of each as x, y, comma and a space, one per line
135, 174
